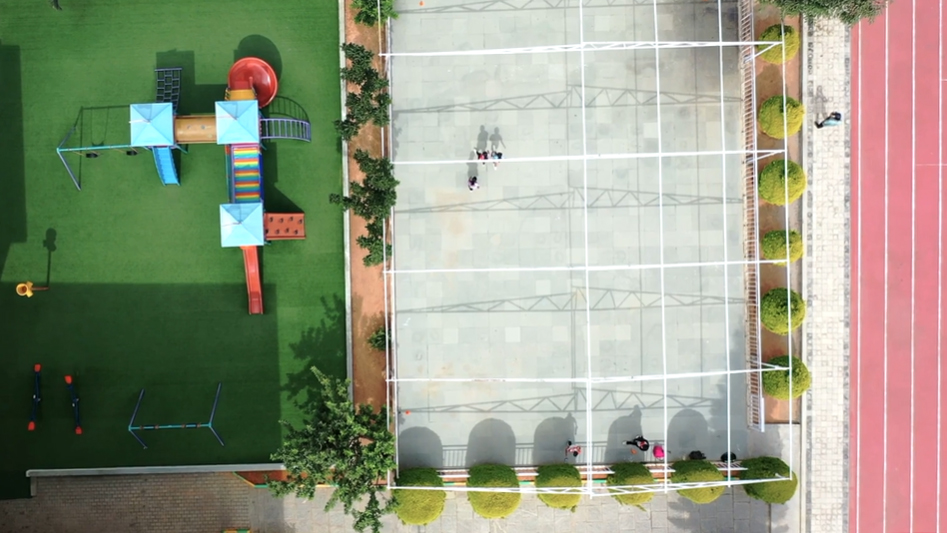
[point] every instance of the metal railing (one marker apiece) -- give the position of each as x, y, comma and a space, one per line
751, 276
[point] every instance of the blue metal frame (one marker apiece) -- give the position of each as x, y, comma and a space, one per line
132, 428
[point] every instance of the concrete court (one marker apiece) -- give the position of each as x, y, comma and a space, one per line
528, 215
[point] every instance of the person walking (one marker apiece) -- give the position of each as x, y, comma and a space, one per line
834, 119
482, 156
496, 157
658, 451
572, 449
473, 184
638, 442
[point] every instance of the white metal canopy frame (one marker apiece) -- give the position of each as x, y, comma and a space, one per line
749, 50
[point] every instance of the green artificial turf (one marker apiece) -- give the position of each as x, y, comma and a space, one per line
142, 295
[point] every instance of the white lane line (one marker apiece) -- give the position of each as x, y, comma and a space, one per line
913, 241
940, 238
858, 337
884, 440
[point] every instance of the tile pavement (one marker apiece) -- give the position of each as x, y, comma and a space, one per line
205, 503
827, 76
183, 503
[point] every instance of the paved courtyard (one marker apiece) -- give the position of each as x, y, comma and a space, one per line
555, 269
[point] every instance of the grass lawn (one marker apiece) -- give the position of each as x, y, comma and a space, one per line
142, 295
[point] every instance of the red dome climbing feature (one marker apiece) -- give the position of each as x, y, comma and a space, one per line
253, 72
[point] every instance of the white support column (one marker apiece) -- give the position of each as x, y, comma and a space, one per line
604, 157
583, 47
651, 266
585, 227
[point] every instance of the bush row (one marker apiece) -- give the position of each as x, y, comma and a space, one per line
421, 507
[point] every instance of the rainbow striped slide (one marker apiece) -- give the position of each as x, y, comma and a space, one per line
247, 176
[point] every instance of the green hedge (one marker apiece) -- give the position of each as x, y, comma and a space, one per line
698, 472
778, 32
559, 475
771, 117
774, 178
774, 246
768, 468
379, 339
776, 382
493, 504
631, 474
419, 507
775, 307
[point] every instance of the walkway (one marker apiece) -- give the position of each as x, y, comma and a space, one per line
205, 503
897, 261
826, 273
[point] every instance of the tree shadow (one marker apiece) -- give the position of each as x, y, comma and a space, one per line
623, 428
13, 177
318, 346
687, 431
420, 447
550, 438
263, 48
491, 441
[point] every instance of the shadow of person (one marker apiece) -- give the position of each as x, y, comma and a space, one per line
491, 441
496, 140
482, 138
50, 244
472, 166
420, 448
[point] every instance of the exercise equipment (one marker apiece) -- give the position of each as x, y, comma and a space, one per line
75, 403
132, 428
36, 396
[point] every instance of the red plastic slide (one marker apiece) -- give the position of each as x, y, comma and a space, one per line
251, 264
253, 72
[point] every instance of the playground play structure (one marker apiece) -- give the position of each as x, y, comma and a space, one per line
132, 428
37, 398
237, 125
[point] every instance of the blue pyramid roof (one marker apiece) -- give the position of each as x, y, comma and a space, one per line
152, 124
238, 122
241, 225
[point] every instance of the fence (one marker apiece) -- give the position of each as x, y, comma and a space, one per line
751, 276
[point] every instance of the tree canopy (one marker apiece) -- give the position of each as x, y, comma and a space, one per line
347, 446
847, 11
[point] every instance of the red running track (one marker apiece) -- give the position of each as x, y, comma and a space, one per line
898, 295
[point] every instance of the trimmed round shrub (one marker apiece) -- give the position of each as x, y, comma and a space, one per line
774, 179
419, 507
771, 117
493, 504
776, 382
774, 246
698, 472
769, 468
559, 475
775, 310
779, 33
631, 474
